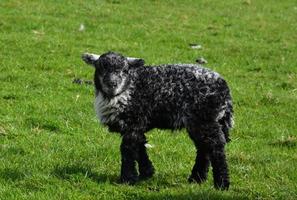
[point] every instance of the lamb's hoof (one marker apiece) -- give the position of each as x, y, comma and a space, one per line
196, 179
222, 184
131, 180
147, 173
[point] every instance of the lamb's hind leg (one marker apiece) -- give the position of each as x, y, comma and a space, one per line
213, 141
201, 166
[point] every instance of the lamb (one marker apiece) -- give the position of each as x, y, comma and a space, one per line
132, 99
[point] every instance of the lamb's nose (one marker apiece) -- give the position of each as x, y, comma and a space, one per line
112, 84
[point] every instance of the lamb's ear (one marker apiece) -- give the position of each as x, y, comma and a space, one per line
135, 62
90, 58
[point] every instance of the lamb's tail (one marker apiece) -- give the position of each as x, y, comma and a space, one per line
227, 120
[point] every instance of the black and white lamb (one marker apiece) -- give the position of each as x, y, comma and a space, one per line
132, 99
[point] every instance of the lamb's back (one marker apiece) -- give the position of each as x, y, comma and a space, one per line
173, 84
165, 95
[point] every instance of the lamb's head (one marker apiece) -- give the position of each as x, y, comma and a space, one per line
112, 75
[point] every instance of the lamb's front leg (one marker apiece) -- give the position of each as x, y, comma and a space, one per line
146, 168
129, 153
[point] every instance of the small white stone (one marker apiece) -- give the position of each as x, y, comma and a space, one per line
77, 97
201, 60
81, 27
196, 46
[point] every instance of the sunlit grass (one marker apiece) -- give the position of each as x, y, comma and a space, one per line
51, 145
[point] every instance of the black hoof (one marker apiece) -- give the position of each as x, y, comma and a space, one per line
131, 180
196, 179
222, 185
146, 174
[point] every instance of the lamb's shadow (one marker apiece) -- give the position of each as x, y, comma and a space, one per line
185, 196
72, 171
11, 174
67, 172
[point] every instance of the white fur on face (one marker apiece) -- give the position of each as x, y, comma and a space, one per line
120, 87
117, 90
108, 109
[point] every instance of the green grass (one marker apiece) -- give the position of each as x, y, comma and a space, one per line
51, 146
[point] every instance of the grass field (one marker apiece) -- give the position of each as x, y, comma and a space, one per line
51, 145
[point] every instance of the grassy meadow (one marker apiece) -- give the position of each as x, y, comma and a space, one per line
51, 144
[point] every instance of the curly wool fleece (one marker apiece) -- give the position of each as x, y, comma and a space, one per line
132, 99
